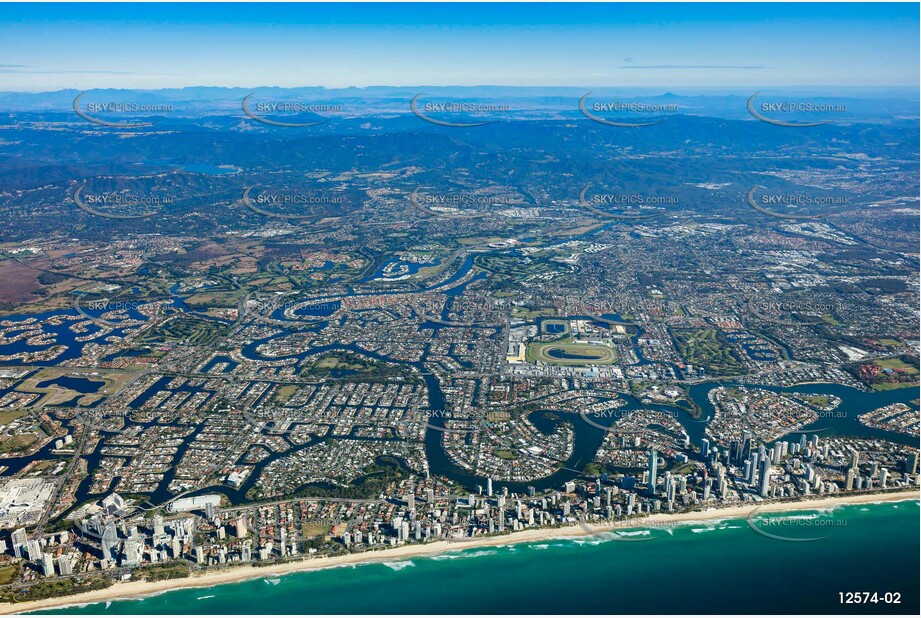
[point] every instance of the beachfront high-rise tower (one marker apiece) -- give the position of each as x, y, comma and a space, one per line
653, 471
765, 477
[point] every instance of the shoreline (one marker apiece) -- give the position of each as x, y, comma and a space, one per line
141, 589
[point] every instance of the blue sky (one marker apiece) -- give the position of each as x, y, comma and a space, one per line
84, 46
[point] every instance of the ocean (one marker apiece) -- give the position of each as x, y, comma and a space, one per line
722, 567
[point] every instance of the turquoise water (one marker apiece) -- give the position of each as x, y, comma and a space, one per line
712, 567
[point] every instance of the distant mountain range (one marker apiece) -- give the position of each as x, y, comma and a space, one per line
863, 105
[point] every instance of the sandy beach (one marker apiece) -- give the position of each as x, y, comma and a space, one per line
127, 590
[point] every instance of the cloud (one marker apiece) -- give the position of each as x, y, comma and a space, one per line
23, 69
695, 66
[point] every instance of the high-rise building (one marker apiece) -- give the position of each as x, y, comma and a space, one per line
776, 453
133, 551
705, 449
653, 470
110, 542
47, 565
33, 549
65, 566
158, 528
765, 477
18, 540
113, 504
849, 479
746, 445
489, 487
911, 463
